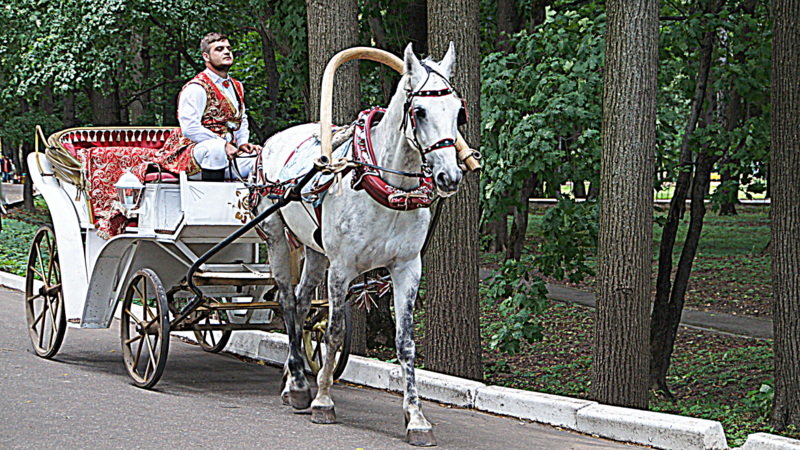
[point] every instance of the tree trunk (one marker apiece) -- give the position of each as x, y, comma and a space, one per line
509, 21
69, 110
519, 226
332, 27
140, 72
701, 182
273, 77
498, 231
785, 133
172, 71
660, 324
105, 105
452, 323
619, 369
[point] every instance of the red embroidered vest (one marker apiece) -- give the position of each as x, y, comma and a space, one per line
220, 116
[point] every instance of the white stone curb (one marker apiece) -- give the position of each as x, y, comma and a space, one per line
766, 441
12, 281
628, 425
535, 406
651, 428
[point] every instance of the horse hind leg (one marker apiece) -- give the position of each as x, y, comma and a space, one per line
322, 408
296, 390
405, 279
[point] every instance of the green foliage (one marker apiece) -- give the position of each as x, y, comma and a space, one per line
541, 106
520, 298
570, 231
15, 243
761, 400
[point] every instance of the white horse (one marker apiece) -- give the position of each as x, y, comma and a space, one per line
358, 234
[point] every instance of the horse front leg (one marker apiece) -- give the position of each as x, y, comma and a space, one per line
405, 278
296, 391
322, 409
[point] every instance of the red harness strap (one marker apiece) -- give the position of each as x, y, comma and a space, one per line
370, 180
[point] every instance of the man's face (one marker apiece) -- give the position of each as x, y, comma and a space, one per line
219, 56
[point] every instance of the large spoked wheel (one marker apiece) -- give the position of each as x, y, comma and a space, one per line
314, 337
213, 341
44, 299
144, 328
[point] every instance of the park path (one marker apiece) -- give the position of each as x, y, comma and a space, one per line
744, 326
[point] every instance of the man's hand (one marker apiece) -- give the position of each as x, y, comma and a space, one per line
249, 148
231, 150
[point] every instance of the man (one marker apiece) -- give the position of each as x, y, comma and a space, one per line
213, 122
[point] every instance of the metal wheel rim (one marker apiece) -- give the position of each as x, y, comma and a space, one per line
44, 306
312, 338
145, 335
212, 341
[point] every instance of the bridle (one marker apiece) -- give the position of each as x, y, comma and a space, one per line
409, 113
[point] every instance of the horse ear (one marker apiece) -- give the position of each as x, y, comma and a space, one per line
449, 61
412, 65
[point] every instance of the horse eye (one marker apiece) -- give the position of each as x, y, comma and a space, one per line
420, 113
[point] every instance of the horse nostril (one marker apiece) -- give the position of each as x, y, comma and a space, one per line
441, 180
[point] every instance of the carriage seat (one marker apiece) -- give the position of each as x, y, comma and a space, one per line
160, 177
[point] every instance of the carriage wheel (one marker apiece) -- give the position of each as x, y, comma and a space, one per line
44, 305
213, 341
314, 336
144, 328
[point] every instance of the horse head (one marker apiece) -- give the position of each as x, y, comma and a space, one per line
432, 113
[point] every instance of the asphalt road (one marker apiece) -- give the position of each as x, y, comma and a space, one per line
83, 399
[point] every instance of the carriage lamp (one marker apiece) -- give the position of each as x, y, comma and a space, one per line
129, 190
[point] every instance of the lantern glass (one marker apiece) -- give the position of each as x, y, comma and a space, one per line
129, 190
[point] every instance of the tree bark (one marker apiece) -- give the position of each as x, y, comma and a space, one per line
271, 69
140, 72
509, 21
68, 104
105, 105
785, 134
172, 71
332, 27
452, 324
660, 318
519, 227
619, 369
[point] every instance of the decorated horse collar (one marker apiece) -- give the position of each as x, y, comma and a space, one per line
368, 176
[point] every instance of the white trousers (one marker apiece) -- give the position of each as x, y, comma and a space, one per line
211, 155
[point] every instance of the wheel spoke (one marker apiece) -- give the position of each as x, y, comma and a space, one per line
149, 346
133, 339
138, 354
37, 272
136, 319
39, 317
41, 264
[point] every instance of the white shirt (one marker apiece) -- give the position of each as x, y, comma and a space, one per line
192, 105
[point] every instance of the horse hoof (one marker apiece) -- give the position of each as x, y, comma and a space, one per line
323, 414
300, 399
285, 398
421, 438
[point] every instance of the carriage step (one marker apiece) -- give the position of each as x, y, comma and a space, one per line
240, 274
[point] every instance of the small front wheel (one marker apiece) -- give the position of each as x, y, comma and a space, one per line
144, 328
44, 295
210, 340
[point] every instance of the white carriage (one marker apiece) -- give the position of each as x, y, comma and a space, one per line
76, 279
